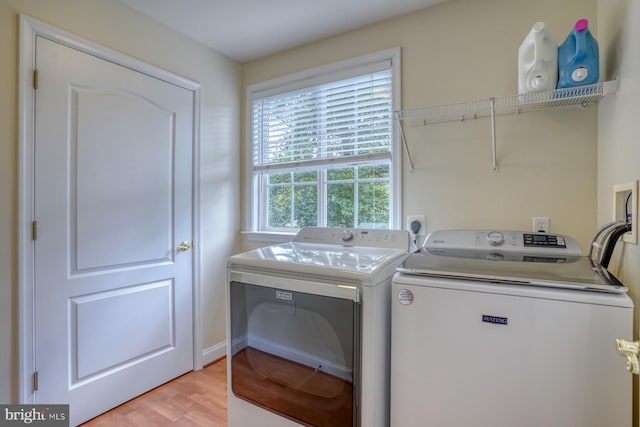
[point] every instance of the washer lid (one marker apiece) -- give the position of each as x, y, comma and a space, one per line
516, 257
569, 273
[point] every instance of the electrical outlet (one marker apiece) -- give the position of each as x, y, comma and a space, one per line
423, 224
541, 224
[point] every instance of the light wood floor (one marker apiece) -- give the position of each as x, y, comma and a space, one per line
195, 399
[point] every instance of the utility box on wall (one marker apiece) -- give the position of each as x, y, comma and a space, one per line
625, 208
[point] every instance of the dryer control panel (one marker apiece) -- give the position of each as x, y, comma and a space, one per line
503, 241
391, 239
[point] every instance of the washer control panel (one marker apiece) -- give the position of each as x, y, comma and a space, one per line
503, 241
539, 240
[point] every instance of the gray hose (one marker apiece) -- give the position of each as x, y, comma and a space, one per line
603, 241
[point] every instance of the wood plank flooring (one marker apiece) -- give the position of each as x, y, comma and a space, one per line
196, 399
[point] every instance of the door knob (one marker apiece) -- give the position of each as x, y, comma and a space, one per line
184, 246
630, 350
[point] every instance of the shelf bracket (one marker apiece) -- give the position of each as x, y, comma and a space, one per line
404, 142
493, 133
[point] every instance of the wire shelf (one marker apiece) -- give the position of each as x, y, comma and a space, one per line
581, 96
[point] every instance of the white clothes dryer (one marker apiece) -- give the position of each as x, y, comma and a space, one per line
308, 327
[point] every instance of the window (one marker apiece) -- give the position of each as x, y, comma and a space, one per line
322, 147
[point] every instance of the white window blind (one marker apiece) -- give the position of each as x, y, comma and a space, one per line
322, 150
348, 121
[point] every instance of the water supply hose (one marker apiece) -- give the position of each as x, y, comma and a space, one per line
616, 233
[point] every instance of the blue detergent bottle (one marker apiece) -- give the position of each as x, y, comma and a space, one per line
578, 58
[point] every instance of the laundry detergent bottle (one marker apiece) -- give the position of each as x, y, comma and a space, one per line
578, 58
537, 61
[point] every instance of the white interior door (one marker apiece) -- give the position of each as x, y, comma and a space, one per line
113, 201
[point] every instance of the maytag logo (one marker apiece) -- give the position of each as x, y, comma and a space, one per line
284, 295
495, 319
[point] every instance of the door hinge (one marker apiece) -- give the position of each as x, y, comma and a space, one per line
34, 230
35, 79
35, 381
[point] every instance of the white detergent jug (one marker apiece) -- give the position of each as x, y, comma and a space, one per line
537, 61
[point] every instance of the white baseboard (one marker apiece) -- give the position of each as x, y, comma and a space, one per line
213, 353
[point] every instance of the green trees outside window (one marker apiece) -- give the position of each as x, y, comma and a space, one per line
354, 197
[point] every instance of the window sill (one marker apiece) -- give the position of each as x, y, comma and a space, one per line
268, 236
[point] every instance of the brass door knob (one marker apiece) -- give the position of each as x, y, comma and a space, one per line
184, 246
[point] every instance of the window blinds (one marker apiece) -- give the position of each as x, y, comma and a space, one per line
348, 121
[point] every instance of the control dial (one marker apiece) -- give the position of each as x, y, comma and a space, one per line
495, 238
347, 235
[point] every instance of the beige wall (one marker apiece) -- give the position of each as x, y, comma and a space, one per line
561, 164
619, 129
460, 50
118, 27
465, 50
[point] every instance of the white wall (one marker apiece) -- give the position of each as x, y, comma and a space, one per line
619, 129
464, 50
110, 23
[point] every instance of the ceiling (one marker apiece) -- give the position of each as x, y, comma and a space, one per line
248, 29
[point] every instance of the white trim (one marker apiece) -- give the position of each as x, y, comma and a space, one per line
214, 353
341, 69
326, 163
57, 35
250, 199
198, 362
310, 77
29, 29
26, 359
396, 150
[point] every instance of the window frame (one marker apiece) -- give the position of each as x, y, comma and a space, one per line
314, 76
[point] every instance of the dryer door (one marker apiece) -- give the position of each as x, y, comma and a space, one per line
296, 352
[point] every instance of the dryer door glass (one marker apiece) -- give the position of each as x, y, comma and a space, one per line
296, 353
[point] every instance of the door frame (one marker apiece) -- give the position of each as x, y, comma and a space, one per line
29, 29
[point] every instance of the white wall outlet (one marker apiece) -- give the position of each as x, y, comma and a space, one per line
541, 224
423, 224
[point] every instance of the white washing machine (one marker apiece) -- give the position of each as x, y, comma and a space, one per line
504, 329
308, 327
